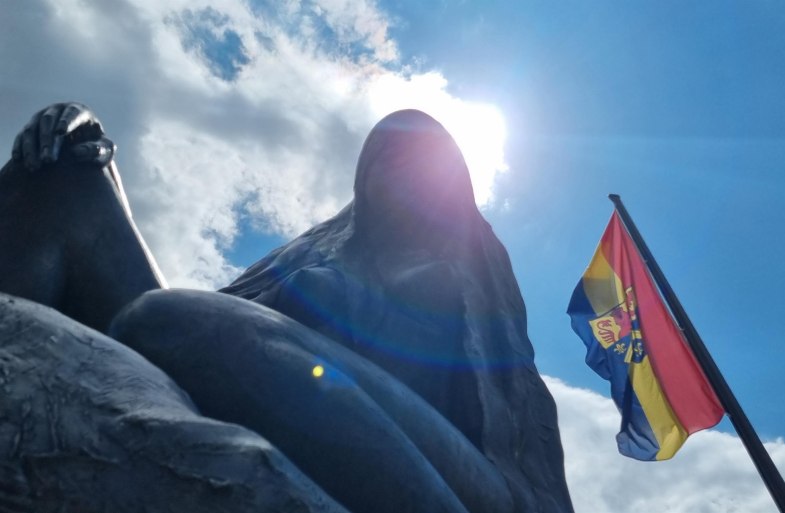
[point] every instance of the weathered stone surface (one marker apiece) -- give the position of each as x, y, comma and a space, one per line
88, 425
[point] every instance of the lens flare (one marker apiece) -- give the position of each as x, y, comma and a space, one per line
317, 371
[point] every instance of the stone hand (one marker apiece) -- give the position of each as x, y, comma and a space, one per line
70, 127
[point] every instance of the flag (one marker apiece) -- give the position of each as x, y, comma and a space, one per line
632, 341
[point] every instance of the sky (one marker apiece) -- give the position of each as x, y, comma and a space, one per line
238, 124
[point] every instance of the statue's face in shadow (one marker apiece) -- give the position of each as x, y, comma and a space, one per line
411, 176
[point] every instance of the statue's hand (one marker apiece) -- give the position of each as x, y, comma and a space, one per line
69, 127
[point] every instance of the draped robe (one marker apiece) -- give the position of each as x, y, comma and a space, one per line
410, 276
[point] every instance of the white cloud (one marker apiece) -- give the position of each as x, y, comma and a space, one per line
360, 21
220, 108
711, 473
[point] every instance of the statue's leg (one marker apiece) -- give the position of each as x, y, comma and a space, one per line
67, 241
365, 438
88, 425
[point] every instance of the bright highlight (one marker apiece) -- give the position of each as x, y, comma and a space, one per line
318, 371
479, 129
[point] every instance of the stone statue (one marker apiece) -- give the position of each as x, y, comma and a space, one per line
383, 352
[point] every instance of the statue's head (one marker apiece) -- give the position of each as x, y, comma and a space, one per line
412, 179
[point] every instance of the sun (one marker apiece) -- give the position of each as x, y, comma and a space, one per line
480, 132
479, 129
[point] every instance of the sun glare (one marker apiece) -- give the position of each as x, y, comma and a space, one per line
480, 133
479, 129
317, 371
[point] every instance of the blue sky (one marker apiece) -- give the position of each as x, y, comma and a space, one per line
238, 125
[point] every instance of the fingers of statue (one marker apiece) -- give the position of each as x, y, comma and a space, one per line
98, 152
72, 116
77, 124
61, 124
48, 152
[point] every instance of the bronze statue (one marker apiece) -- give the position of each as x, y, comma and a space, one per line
384, 351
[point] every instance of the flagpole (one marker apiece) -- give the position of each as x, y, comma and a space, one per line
760, 457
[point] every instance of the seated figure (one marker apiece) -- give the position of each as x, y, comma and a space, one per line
384, 351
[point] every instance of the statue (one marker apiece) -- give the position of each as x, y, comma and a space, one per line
383, 352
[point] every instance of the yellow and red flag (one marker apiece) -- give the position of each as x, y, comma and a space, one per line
632, 340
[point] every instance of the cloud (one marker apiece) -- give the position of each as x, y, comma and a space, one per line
206, 32
222, 110
711, 473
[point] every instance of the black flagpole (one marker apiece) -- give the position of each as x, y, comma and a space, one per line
761, 459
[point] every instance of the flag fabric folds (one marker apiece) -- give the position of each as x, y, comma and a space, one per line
632, 341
